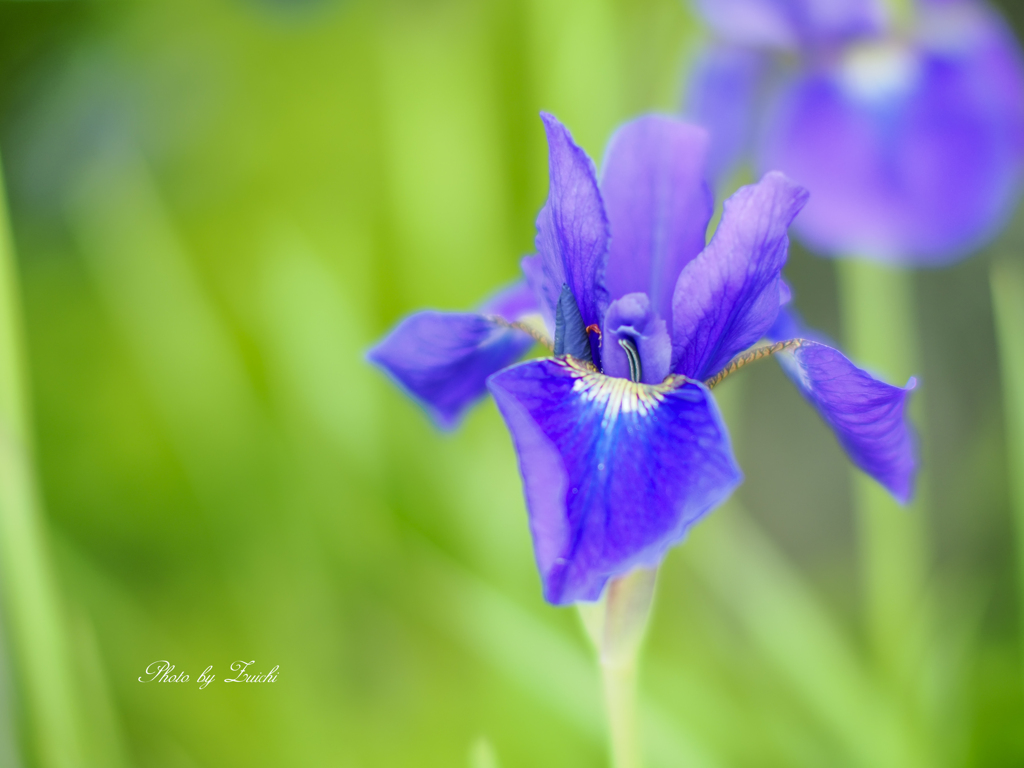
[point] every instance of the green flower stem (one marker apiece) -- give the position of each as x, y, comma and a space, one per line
1007, 280
881, 334
616, 625
32, 614
619, 683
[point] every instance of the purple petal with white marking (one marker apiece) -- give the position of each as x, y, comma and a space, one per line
443, 359
729, 296
614, 472
658, 204
913, 153
868, 416
572, 229
633, 318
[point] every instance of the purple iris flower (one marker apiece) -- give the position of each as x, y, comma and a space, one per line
910, 139
621, 446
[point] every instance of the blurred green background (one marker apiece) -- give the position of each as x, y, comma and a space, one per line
217, 207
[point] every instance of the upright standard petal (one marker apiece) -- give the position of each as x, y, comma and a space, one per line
729, 296
913, 152
826, 22
724, 95
614, 472
791, 24
759, 23
443, 359
572, 229
868, 416
658, 204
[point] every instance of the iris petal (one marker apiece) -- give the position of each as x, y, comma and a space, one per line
614, 472
913, 153
658, 205
792, 23
867, 415
572, 229
729, 296
443, 359
771, 23
724, 88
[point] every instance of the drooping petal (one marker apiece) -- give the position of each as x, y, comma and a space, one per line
658, 204
728, 297
443, 359
791, 24
725, 87
572, 229
913, 153
633, 318
868, 416
614, 472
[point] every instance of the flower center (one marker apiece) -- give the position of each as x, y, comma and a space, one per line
614, 395
633, 355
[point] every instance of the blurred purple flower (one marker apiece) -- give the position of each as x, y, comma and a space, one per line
910, 141
621, 446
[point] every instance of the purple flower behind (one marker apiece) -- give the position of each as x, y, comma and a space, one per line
621, 445
910, 143
792, 24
